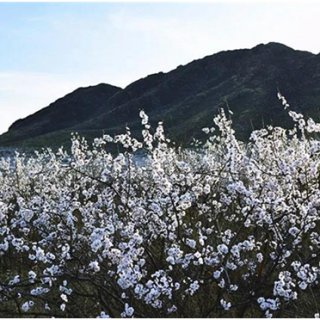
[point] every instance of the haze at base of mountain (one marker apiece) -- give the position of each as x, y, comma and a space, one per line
186, 99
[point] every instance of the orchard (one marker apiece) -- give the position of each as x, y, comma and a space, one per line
225, 229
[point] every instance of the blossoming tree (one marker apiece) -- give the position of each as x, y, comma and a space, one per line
232, 230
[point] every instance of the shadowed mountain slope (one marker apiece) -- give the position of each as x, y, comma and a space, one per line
66, 112
187, 98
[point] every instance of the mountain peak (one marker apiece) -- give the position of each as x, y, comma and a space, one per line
277, 47
70, 109
186, 98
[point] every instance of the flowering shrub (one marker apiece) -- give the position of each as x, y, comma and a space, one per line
232, 230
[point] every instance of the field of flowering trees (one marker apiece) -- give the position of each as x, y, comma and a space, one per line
232, 230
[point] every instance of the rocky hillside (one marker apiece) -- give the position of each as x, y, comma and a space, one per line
186, 99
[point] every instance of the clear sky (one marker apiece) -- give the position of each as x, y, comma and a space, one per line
49, 49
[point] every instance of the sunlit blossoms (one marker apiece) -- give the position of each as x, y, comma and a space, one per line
229, 229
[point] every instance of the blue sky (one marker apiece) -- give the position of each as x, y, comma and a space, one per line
50, 49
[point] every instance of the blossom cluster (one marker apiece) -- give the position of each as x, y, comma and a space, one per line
228, 229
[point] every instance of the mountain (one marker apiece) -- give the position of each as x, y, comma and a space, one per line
74, 108
186, 99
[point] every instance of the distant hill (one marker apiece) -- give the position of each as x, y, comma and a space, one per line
74, 108
186, 99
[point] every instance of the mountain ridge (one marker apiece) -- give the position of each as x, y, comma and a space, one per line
186, 98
